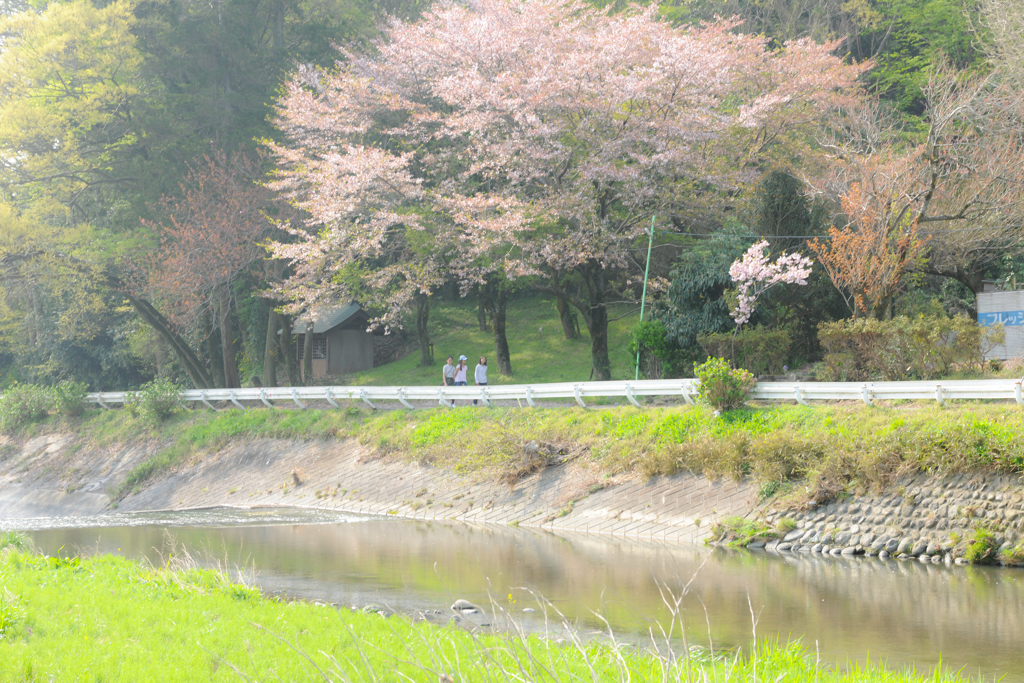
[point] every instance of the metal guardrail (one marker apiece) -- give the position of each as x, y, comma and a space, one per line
688, 389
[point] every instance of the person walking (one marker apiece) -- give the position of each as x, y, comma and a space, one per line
448, 375
460, 373
480, 374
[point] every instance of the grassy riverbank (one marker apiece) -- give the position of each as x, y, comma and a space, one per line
829, 449
109, 619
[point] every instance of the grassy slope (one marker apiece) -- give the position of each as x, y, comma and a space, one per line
109, 619
540, 352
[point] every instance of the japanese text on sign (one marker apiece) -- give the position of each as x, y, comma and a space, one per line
1007, 318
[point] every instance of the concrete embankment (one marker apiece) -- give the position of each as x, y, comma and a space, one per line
58, 475
958, 519
934, 519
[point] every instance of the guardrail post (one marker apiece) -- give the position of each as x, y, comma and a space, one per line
362, 395
686, 395
799, 395
401, 399
938, 395
866, 395
295, 397
99, 399
529, 398
327, 395
441, 400
576, 392
205, 402
1016, 394
629, 395
263, 397
483, 397
235, 401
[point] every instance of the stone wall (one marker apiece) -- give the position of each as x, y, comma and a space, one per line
932, 519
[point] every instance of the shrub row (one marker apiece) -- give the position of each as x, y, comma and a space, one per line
23, 404
923, 347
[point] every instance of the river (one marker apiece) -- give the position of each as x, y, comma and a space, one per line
906, 613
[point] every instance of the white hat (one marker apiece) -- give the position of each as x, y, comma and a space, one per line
463, 358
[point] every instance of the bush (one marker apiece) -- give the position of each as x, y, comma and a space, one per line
23, 403
922, 347
69, 398
157, 400
658, 357
762, 351
721, 386
981, 547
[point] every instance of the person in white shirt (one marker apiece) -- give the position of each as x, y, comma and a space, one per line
480, 374
448, 375
460, 372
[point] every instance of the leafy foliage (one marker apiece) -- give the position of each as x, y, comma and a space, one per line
721, 386
69, 398
22, 404
981, 547
761, 350
158, 400
695, 304
658, 358
922, 347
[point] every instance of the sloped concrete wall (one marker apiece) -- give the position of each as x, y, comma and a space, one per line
51, 476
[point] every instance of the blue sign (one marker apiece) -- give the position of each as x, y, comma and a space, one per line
1007, 318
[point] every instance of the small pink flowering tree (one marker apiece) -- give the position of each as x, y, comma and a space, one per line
754, 275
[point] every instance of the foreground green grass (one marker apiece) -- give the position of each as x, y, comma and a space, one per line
109, 619
539, 350
830, 449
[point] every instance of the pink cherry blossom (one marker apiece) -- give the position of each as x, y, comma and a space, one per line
754, 274
530, 138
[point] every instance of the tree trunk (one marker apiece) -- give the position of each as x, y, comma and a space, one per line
307, 355
597, 321
482, 300
194, 367
270, 350
880, 307
422, 333
213, 349
227, 341
291, 360
570, 328
498, 325
278, 35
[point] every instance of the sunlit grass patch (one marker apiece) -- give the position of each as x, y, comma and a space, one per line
117, 620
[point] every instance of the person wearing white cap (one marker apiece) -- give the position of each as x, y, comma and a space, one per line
460, 372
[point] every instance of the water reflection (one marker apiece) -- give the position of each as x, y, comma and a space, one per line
904, 612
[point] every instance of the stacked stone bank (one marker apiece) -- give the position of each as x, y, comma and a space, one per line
927, 518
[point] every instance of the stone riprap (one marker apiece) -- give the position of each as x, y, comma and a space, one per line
55, 475
930, 519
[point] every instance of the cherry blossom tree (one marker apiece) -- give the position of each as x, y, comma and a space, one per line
754, 275
536, 136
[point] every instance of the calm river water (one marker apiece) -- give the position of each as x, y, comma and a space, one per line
903, 612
